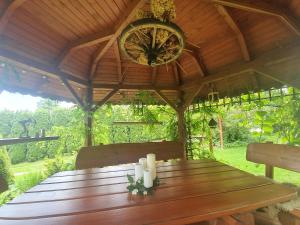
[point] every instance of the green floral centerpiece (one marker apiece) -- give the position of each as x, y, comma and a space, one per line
138, 188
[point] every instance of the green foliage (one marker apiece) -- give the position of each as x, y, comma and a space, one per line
9, 195
58, 164
5, 167
17, 153
66, 123
27, 181
138, 186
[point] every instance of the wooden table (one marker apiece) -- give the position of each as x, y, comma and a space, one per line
191, 191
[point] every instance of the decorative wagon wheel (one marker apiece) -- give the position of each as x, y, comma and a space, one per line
152, 42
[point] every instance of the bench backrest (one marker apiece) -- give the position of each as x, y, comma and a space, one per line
114, 154
274, 155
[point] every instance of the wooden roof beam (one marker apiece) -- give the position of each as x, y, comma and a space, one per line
83, 43
166, 100
105, 99
119, 62
176, 74
191, 96
263, 8
260, 65
232, 24
10, 8
194, 53
38, 67
127, 16
136, 87
73, 92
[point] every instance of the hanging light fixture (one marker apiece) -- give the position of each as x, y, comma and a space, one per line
153, 39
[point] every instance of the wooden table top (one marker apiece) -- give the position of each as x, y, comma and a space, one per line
190, 191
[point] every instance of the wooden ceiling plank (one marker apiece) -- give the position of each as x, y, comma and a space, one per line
263, 8
273, 75
260, 63
154, 71
232, 24
38, 67
166, 100
127, 16
9, 11
82, 43
119, 61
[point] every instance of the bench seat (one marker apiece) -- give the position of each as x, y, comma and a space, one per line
115, 154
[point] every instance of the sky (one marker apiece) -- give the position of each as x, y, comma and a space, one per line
17, 102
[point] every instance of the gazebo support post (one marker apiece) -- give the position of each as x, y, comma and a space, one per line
181, 128
88, 109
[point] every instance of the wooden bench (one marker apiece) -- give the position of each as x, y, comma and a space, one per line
114, 154
281, 156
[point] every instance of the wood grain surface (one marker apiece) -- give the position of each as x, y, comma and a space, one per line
190, 191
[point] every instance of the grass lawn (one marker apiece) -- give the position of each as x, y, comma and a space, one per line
236, 157
31, 167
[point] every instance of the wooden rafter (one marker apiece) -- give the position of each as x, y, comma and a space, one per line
190, 98
10, 8
136, 87
105, 99
256, 65
166, 100
127, 16
176, 74
38, 67
73, 92
82, 43
195, 55
119, 62
263, 8
233, 25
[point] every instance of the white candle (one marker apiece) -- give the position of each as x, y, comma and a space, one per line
151, 160
148, 181
138, 171
143, 161
153, 172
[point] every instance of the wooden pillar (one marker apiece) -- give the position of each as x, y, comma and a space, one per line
220, 123
211, 146
89, 116
181, 127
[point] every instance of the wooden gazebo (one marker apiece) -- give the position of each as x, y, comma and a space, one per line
68, 50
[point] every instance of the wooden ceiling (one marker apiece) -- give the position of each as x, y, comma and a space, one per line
61, 48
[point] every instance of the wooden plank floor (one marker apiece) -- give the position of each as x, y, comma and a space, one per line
189, 192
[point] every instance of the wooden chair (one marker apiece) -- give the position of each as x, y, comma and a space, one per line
281, 156
114, 154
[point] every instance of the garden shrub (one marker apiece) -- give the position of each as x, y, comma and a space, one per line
36, 151
58, 164
25, 182
17, 153
9, 195
5, 170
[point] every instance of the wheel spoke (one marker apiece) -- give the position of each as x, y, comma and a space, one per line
154, 36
